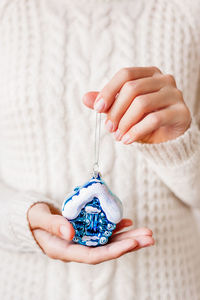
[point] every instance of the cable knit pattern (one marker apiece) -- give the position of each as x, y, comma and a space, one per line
52, 52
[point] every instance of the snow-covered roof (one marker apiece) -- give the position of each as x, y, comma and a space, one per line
110, 203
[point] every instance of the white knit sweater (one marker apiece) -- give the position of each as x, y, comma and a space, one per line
51, 53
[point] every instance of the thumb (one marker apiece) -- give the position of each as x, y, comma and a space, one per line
89, 99
40, 217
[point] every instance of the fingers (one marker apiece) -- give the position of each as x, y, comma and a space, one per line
122, 224
89, 99
142, 235
50, 244
140, 100
100, 254
57, 248
132, 95
131, 234
107, 95
40, 217
143, 241
155, 120
139, 107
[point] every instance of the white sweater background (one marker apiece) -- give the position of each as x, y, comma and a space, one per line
51, 53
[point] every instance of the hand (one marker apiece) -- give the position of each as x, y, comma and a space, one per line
143, 105
54, 233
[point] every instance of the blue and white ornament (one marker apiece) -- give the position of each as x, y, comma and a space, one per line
94, 211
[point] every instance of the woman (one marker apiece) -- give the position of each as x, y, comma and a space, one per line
53, 54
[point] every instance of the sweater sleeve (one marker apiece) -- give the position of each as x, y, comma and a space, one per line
177, 161
15, 232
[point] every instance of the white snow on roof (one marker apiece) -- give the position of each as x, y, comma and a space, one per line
110, 204
92, 210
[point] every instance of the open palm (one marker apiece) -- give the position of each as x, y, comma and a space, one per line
58, 244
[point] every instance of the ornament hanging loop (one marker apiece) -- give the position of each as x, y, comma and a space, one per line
95, 170
97, 145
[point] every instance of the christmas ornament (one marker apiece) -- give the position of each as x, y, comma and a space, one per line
92, 208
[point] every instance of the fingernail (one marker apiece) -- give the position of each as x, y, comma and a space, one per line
126, 139
64, 231
109, 125
118, 135
99, 104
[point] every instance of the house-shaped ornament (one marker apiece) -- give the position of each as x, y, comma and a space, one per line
93, 211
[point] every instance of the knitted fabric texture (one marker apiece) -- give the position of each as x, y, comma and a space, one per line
52, 52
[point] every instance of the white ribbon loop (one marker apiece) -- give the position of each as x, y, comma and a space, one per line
97, 144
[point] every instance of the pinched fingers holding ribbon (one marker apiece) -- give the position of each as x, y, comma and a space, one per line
141, 104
